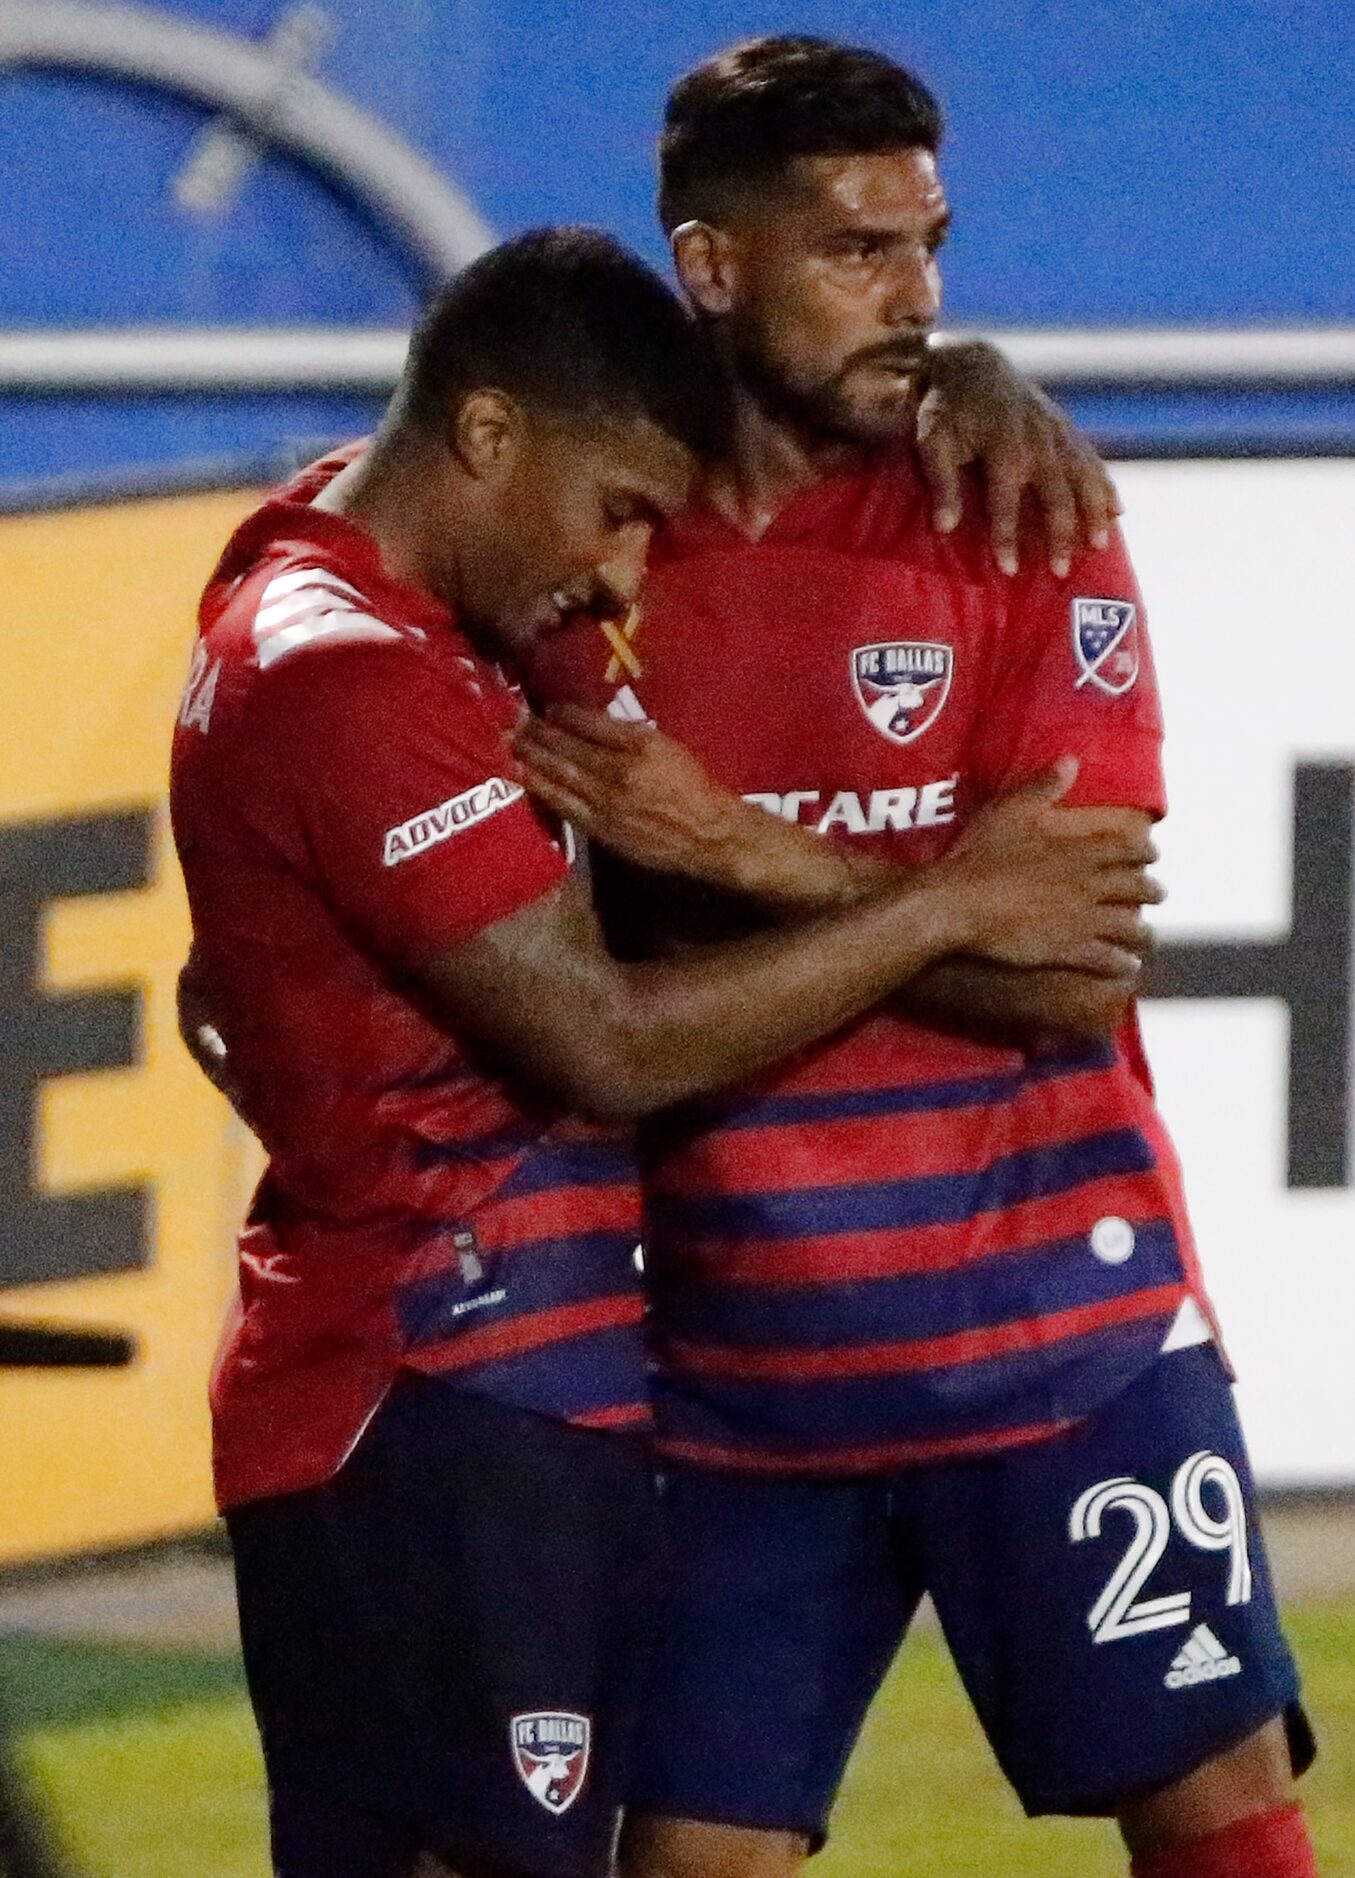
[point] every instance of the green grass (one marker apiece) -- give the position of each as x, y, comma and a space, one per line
923, 1795
149, 1769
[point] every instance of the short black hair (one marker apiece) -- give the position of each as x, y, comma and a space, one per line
572, 325
735, 122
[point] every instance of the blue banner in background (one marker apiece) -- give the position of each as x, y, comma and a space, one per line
1109, 166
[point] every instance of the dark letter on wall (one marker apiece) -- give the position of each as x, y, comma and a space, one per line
1310, 970
45, 1237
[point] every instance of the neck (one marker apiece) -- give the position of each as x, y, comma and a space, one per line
388, 493
774, 457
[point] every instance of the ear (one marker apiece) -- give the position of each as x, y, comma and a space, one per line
703, 256
486, 434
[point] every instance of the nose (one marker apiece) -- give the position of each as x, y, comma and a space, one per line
913, 294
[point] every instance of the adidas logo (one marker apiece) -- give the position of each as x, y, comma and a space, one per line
1202, 1658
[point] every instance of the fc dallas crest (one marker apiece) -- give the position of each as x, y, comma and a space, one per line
902, 686
550, 1751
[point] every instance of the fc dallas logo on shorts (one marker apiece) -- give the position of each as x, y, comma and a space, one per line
902, 686
550, 1751
1106, 641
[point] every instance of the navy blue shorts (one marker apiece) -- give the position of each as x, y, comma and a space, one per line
443, 1642
1105, 1596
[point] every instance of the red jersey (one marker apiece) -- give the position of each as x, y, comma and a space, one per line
903, 1244
342, 809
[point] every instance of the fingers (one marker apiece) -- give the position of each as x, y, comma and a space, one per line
604, 762
1007, 477
560, 801
1050, 786
1057, 493
1121, 832
1130, 886
612, 733
1124, 926
1129, 849
545, 770
1098, 500
1077, 498
1105, 960
941, 455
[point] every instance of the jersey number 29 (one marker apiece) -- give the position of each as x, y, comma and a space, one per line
1120, 1611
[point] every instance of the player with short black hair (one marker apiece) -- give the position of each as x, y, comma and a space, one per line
430, 1404
926, 1308
563, 320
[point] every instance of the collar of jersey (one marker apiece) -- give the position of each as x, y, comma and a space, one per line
847, 501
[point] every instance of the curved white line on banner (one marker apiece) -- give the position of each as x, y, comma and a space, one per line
1184, 355
287, 111
204, 358
282, 358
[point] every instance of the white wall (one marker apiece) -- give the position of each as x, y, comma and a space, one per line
1247, 573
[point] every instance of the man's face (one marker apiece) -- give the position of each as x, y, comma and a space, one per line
833, 285
568, 526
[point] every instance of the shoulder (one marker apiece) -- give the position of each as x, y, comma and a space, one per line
284, 608
890, 513
311, 647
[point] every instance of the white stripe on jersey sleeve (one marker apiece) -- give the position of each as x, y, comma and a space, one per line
308, 604
283, 584
346, 627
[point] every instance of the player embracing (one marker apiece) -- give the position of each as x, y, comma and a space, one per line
429, 1408
927, 1309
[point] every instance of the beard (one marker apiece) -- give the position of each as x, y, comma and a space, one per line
861, 402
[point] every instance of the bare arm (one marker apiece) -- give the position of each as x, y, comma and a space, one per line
648, 799
1006, 1003
540, 994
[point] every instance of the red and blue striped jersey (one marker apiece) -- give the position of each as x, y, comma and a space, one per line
344, 809
906, 1243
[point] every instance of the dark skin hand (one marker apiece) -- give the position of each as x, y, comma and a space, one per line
977, 409
539, 996
652, 803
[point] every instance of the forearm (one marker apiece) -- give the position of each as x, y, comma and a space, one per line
794, 872
539, 998
718, 1014
790, 870
1015, 1004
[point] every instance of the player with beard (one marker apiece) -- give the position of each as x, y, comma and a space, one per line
927, 1312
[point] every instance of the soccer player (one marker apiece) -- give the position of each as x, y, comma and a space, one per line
428, 1407
927, 1312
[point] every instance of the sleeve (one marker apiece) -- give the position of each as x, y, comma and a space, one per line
401, 796
1074, 677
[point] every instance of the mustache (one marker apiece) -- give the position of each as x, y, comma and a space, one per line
904, 354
